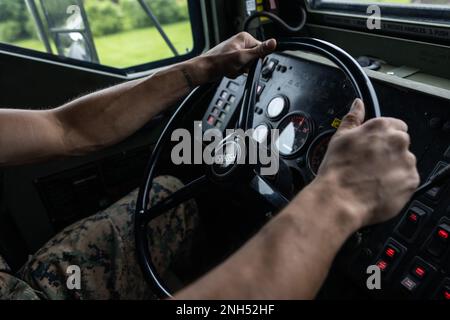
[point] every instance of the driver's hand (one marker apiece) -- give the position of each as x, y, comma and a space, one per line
232, 57
372, 166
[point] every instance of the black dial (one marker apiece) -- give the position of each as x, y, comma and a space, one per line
295, 130
317, 151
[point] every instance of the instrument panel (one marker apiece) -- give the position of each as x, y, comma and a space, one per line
306, 101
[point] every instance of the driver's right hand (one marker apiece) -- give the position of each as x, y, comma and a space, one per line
371, 166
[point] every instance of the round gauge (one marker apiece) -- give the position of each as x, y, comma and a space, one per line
277, 107
294, 131
317, 151
261, 132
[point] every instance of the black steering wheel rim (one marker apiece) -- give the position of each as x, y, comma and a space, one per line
358, 78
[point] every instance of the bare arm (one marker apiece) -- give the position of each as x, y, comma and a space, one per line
89, 123
109, 116
367, 177
289, 258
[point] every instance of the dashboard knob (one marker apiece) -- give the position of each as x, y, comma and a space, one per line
269, 68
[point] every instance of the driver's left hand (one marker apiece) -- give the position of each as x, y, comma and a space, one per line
231, 58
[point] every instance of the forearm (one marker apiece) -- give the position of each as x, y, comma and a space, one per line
109, 116
289, 258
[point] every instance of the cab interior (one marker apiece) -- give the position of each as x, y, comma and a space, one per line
406, 56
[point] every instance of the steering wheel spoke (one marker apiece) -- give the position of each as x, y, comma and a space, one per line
187, 192
268, 192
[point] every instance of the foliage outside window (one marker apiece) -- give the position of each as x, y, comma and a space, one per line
123, 34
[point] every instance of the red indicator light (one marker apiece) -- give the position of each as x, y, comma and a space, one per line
420, 272
443, 234
413, 217
390, 252
382, 265
446, 295
211, 120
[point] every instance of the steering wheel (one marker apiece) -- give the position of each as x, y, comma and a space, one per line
234, 171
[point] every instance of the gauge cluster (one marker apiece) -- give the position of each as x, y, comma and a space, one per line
305, 102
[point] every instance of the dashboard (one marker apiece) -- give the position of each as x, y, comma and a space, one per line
306, 101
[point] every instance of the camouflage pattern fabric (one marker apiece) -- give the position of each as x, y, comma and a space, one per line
103, 247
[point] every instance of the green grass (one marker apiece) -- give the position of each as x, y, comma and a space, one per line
134, 47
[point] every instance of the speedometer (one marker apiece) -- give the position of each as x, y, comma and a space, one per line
317, 151
294, 130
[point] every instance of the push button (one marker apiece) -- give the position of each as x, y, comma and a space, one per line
390, 256
383, 265
438, 243
443, 292
224, 95
409, 283
446, 293
215, 112
418, 274
391, 252
211, 120
420, 269
269, 68
413, 220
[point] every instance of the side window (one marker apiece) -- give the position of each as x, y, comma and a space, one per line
115, 33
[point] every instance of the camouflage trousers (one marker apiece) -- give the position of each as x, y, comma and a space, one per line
102, 246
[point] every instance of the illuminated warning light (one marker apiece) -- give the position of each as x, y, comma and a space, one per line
420, 272
443, 234
446, 295
382, 265
413, 217
259, 89
211, 120
390, 252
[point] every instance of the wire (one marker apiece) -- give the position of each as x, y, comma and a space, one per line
277, 20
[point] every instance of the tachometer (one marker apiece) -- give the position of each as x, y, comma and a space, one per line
295, 130
317, 151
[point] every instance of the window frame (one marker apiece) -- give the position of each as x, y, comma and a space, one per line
198, 35
396, 19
